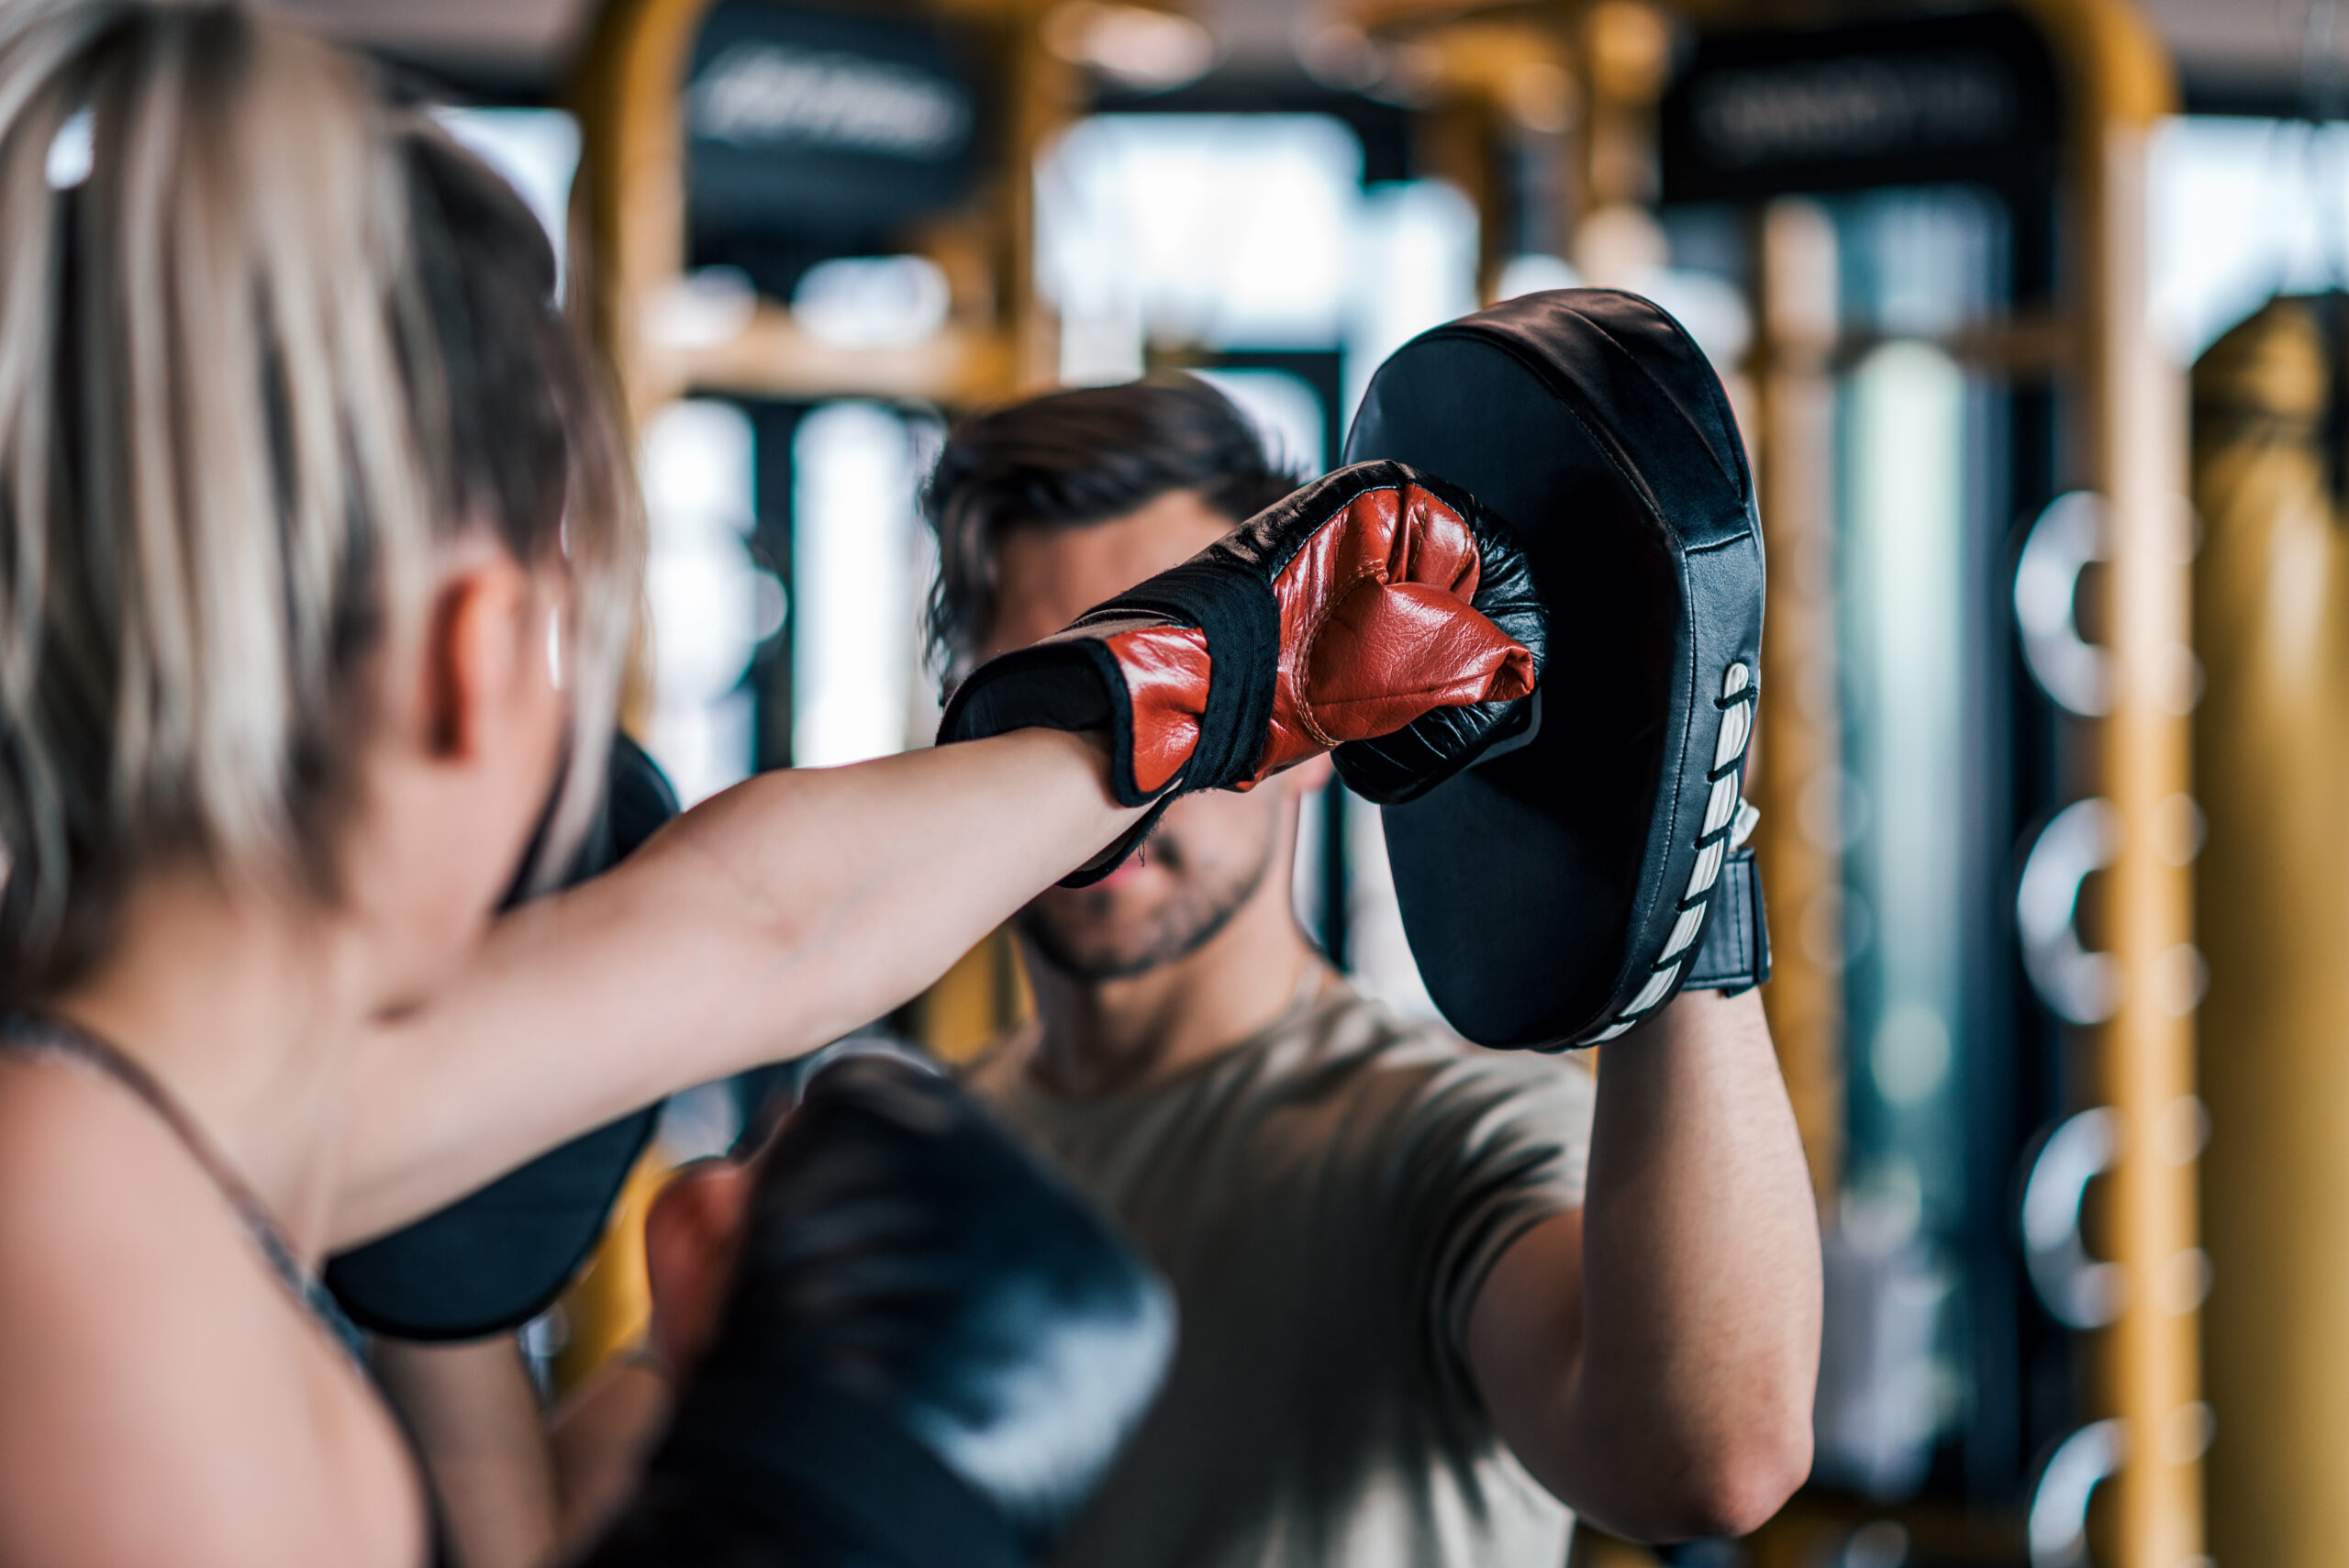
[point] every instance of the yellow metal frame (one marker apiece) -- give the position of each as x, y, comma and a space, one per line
2139, 1063
2272, 625
2130, 439
2131, 434
630, 208
1800, 741
627, 223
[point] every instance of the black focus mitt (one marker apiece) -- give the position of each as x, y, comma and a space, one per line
1579, 875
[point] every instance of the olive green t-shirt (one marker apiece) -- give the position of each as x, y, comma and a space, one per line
1327, 1198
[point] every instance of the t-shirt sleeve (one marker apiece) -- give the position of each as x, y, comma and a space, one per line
1496, 1143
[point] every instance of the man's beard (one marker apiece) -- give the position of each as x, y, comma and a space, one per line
1068, 926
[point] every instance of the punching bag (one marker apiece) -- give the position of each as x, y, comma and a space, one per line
2271, 762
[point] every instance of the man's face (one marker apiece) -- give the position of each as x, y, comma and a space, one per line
1211, 850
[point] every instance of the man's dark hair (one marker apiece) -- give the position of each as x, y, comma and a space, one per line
1072, 459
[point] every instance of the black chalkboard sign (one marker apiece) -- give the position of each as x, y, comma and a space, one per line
1969, 98
809, 123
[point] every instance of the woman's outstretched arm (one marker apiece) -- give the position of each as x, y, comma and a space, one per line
797, 906
760, 925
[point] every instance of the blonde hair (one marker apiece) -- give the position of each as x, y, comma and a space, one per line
265, 337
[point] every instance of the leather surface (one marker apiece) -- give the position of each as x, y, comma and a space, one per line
1167, 671
1539, 890
1376, 623
928, 1330
1386, 655
1409, 762
493, 1260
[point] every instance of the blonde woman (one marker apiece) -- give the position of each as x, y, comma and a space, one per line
316, 555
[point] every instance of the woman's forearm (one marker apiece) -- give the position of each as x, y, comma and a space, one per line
760, 925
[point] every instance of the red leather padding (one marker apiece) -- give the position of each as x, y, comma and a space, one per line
1167, 671
1382, 588
1378, 630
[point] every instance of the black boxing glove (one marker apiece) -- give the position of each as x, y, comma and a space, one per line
1376, 609
931, 1351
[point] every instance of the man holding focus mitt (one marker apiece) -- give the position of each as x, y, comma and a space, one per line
1430, 1296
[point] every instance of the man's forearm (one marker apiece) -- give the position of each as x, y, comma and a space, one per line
1653, 1357
1700, 1260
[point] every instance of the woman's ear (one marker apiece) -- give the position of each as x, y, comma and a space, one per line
692, 1235
474, 643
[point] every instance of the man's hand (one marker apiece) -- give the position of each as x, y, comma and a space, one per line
1652, 1358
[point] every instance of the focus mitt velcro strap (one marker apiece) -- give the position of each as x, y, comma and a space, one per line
1734, 954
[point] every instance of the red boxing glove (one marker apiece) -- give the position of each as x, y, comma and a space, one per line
1376, 604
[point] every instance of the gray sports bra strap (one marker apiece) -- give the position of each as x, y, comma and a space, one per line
29, 1034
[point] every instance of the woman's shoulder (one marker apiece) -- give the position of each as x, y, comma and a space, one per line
166, 1400
97, 1192
90, 1178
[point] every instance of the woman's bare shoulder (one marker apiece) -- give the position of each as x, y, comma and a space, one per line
167, 1401
100, 1203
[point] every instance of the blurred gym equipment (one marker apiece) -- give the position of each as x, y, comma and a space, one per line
2271, 629
1928, 225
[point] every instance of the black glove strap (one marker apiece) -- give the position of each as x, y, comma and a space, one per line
1072, 680
1734, 954
803, 1449
1110, 859
1055, 684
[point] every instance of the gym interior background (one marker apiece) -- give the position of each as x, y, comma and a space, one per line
2033, 319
